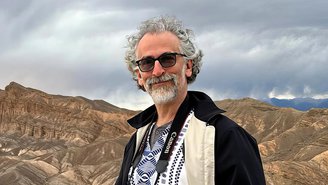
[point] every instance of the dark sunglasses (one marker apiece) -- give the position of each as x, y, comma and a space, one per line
166, 60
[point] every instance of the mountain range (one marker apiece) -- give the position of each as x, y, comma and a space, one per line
302, 104
55, 139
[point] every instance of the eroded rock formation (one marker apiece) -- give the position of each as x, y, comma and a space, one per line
293, 144
52, 139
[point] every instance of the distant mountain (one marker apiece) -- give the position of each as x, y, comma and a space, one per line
302, 104
54, 139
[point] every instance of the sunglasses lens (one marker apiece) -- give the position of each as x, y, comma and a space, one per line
146, 64
167, 60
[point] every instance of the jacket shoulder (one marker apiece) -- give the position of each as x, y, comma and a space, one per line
223, 124
126, 162
236, 152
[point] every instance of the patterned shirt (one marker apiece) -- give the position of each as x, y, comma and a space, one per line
145, 172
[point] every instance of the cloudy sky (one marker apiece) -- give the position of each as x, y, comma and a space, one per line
252, 48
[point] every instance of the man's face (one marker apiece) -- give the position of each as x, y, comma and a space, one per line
163, 84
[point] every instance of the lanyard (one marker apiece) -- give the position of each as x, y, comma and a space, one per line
142, 146
172, 137
170, 141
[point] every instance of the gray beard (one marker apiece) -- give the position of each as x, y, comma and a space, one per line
164, 94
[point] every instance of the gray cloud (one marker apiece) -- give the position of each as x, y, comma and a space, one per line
257, 63
252, 48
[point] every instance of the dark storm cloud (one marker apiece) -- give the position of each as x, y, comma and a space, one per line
257, 64
62, 47
252, 47
214, 13
19, 18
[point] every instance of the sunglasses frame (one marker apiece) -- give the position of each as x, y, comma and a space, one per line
159, 60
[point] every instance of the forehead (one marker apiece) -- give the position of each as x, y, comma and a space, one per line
154, 44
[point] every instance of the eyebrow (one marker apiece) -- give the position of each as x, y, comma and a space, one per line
149, 56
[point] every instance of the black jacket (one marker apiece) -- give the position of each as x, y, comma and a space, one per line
237, 158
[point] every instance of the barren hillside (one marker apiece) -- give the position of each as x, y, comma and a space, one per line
293, 144
53, 139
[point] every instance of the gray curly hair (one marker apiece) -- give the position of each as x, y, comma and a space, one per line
162, 24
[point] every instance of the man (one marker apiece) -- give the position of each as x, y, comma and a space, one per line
183, 138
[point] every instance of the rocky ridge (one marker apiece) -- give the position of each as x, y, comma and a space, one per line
53, 139
293, 144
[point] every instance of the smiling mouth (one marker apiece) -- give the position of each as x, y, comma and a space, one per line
161, 82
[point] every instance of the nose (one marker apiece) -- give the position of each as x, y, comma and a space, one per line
158, 69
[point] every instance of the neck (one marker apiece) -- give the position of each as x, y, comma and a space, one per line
166, 112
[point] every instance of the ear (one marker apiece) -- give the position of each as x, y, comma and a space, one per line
189, 68
139, 78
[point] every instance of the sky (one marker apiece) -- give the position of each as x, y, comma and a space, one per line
252, 48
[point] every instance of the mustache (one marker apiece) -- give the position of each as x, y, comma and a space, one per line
163, 78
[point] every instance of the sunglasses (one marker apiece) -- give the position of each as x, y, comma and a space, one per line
166, 60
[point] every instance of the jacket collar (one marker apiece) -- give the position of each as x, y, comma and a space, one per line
204, 109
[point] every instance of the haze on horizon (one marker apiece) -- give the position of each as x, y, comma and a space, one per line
259, 49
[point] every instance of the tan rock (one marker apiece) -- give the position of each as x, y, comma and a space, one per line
53, 139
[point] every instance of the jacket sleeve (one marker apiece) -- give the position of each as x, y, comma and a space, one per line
237, 158
126, 163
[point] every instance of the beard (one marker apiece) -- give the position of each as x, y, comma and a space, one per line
165, 93
168, 92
